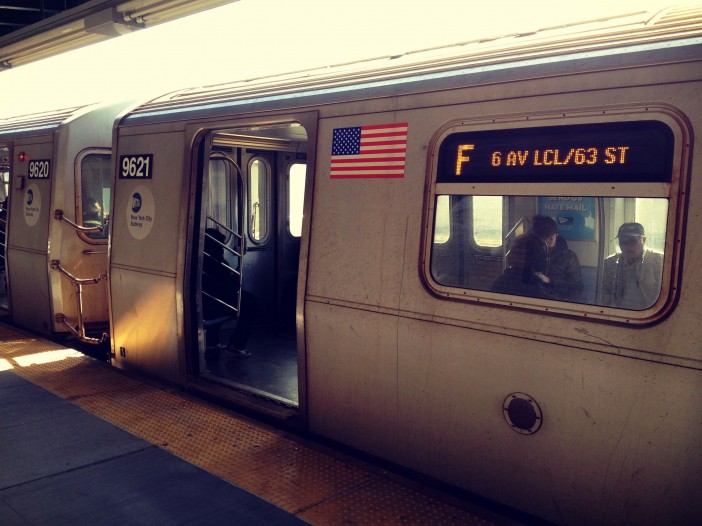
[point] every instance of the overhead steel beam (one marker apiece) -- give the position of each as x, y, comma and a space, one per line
90, 23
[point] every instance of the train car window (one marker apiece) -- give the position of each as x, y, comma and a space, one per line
95, 186
442, 223
259, 199
603, 248
573, 262
296, 196
221, 202
652, 213
487, 221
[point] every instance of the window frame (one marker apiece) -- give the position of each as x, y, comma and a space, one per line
674, 191
266, 199
79, 187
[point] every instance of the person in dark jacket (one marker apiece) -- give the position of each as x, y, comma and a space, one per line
562, 278
518, 277
540, 264
556, 267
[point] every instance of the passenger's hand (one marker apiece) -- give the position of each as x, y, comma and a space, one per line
544, 278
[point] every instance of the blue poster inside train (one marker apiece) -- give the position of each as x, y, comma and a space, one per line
575, 216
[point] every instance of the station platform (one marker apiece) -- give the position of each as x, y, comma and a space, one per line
84, 443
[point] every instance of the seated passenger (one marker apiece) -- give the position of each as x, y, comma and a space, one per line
540, 264
220, 281
556, 267
518, 277
632, 278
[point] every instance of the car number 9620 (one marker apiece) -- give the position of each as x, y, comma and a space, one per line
39, 169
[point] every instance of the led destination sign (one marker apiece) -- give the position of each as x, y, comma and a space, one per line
609, 152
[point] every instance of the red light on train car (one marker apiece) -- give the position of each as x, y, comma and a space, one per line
22, 156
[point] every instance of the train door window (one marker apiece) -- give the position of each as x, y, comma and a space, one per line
4, 171
5, 187
296, 197
553, 232
259, 200
94, 191
221, 202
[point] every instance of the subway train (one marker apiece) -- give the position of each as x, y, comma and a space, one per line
56, 250
357, 253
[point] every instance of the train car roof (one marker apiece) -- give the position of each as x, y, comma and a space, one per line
45, 122
646, 37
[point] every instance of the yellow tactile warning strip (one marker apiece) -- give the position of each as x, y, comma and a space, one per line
319, 486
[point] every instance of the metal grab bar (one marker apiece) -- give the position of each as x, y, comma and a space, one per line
3, 229
222, 263
237, 252
79, 333
58, 214
507, 241
254, 214
516, 225
223, 303
56, 265
241, 241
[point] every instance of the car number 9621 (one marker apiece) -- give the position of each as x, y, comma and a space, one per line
136, 166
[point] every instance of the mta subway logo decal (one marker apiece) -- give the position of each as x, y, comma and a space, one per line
136, 202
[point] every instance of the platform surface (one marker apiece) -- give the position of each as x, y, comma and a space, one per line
83, 443
63, 465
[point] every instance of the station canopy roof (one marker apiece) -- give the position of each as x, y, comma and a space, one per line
34, 29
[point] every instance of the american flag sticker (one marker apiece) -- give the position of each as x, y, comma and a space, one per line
369, 152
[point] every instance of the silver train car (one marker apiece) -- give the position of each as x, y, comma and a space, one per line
57, 181
376, 224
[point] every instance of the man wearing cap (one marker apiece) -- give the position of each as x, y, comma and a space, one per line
632, 278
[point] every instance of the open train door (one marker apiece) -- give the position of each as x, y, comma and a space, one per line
251, 186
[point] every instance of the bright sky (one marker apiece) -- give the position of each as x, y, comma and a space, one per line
250, 38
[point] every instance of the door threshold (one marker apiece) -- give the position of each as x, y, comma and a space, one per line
247, 397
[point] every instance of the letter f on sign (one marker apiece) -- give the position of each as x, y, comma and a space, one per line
461, 157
